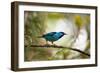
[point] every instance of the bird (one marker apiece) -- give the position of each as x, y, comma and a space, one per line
53, 36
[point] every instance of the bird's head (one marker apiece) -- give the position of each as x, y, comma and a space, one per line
63, 33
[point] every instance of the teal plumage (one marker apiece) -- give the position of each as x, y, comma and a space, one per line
53, 36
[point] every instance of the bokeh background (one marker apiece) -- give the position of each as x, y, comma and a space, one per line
76, 25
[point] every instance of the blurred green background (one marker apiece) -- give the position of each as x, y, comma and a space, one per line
76, 25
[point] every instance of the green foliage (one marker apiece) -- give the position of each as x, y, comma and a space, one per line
55, 16
62, 54
78, 21
34, 27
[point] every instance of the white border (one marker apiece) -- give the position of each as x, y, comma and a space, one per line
33, 64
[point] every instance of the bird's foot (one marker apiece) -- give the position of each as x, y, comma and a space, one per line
54, 45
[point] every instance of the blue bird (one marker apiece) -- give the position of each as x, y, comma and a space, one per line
53, 36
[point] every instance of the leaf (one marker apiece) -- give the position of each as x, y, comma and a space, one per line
88, 44
55, 16
78, 21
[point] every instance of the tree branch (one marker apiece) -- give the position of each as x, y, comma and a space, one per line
56, 46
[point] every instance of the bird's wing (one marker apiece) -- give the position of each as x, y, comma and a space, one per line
50, 34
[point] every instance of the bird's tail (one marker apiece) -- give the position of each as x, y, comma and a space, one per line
39, 36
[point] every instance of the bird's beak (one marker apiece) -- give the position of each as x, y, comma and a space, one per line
65, 34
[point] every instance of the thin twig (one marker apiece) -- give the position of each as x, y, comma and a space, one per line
56, 46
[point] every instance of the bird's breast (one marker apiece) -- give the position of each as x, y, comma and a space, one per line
53, 38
